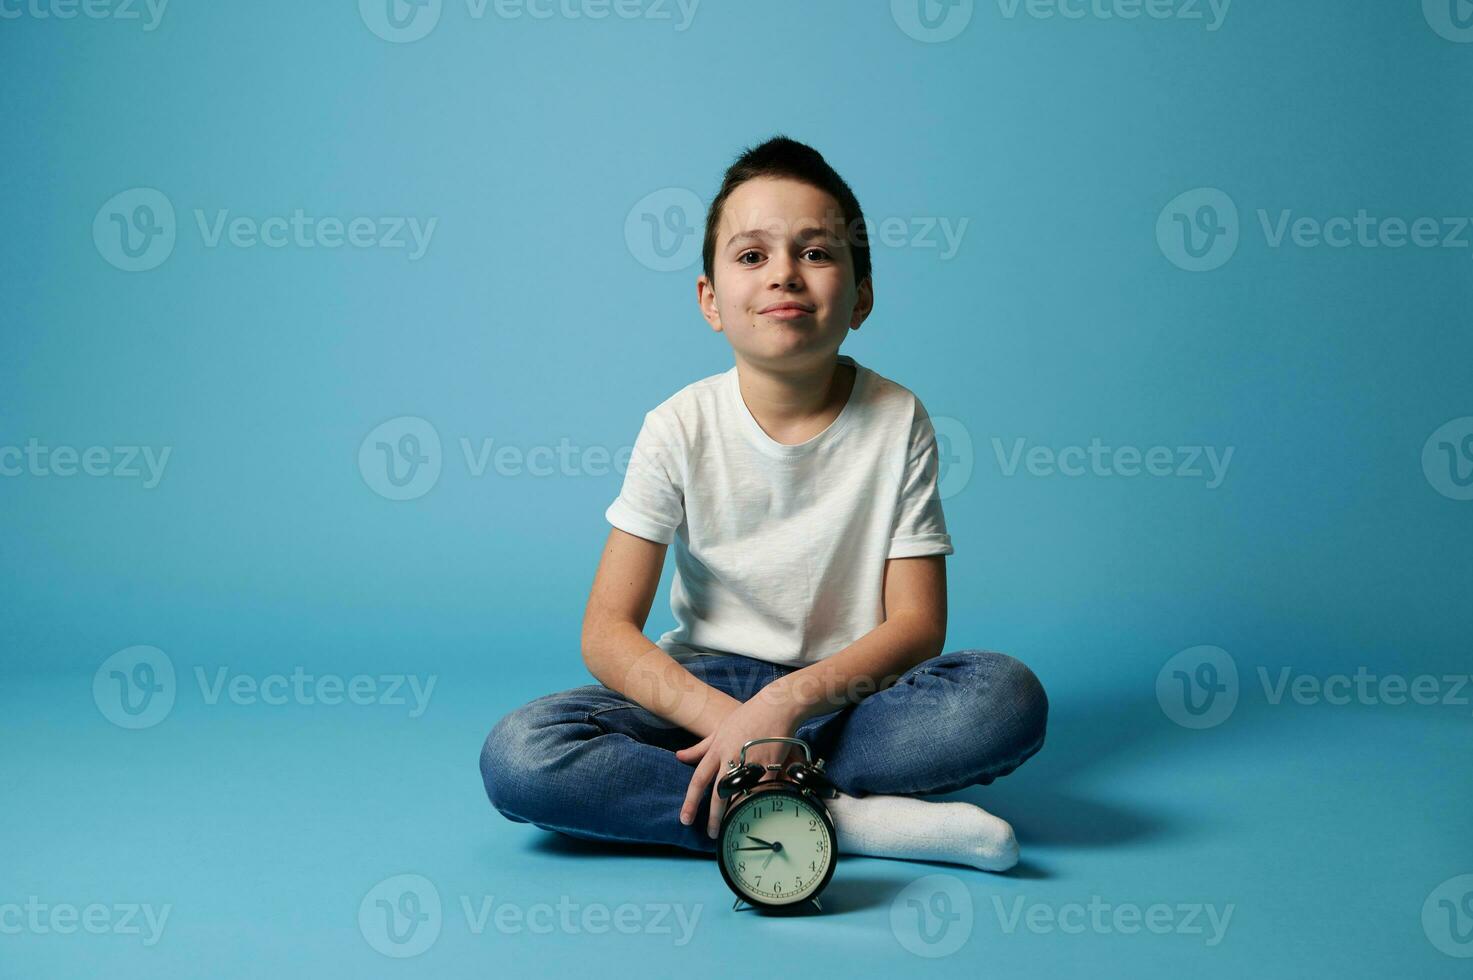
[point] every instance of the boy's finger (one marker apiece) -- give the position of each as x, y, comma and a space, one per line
693, 793
693, 751
718, 808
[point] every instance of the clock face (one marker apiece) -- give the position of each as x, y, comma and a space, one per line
776, 848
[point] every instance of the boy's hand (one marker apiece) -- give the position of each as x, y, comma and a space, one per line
756, 718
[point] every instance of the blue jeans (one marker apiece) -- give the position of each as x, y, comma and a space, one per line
590, 763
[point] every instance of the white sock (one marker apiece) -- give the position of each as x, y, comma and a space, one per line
921, 830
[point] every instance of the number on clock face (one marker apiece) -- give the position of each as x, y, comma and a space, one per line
778, 876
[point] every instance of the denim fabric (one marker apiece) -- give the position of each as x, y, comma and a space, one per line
590, 763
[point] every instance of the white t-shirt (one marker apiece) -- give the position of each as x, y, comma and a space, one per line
780, 550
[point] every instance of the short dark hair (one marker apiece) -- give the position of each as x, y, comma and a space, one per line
783, 157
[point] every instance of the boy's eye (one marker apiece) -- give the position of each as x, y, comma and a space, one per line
821, 253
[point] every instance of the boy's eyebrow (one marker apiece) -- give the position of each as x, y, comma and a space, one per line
758, 234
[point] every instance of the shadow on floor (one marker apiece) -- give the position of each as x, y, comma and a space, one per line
553, 843
1052, 798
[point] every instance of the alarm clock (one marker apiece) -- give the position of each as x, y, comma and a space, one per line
777, 846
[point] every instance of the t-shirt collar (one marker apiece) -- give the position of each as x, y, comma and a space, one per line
770, 445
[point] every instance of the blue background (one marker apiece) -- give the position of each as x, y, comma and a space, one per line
533, 318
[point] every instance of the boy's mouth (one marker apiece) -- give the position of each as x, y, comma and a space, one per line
787, 311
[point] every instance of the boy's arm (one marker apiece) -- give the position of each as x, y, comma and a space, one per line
914, 630
616, 651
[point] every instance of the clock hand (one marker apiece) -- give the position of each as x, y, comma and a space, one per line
752, 848
759, 840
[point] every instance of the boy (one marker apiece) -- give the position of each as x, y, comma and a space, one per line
800, 490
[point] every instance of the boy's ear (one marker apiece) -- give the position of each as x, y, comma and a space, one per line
863, 303
706, 299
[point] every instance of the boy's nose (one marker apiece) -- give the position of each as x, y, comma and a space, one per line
785, 279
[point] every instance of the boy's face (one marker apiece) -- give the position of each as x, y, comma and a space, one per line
783, 241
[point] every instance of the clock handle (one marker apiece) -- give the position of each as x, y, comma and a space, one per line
807, 752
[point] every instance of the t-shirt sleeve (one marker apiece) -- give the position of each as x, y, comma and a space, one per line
920, 525
651, 503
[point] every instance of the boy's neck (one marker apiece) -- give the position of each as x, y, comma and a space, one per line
793, 407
